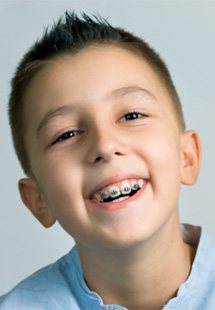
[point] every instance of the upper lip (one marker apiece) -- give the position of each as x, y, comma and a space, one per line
112, 180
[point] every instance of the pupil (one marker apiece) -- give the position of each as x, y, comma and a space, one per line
67, 135
131, 116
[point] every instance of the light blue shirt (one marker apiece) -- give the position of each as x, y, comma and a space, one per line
61, 286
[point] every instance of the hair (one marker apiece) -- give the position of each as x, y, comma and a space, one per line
70, 35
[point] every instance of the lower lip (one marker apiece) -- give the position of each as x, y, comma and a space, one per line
119, 204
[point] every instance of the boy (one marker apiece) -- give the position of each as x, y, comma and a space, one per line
99, 131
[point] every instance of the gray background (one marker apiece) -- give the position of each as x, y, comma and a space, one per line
184, 34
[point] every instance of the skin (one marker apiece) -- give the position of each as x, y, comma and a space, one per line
132, 253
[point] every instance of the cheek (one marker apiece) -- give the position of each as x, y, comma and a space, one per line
61, 181
160, 142
57, 166
64, 197
160, 149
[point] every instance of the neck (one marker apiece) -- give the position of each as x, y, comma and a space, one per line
145, 276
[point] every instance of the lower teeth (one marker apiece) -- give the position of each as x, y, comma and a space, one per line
121, 198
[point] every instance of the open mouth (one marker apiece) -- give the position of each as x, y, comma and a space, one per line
121, 197
119, 191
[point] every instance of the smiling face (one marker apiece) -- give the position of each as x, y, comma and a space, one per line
101, 123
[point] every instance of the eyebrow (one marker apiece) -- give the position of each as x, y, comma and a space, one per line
62, 110
124, 91
117, 93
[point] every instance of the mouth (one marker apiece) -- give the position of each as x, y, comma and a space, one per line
118, 192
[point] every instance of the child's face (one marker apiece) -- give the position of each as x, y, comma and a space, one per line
96, 119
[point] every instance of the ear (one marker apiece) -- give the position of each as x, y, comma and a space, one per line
191, 157
34, 201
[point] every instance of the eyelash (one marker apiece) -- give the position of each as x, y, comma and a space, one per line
67, 135
135, 115
72, 133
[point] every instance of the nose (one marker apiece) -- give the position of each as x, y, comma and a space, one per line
106, 144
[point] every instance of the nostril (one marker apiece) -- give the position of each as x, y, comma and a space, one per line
98, 159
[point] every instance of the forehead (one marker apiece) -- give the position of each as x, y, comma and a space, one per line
89, 76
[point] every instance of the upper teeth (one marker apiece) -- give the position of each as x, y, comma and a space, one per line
116, 190
113, 191
126, 188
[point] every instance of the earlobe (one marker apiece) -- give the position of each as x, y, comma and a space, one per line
34, 201
191, 157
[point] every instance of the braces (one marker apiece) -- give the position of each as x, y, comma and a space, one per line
109, 199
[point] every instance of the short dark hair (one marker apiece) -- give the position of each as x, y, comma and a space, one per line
71, 34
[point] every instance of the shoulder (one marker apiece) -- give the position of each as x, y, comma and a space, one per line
201, 282
44, 287
198, 291
200, 287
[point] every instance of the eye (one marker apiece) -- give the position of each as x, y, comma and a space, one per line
132, 116
67, 135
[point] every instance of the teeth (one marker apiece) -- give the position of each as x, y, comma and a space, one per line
98, 197
104, 195
135, 185
114, 191
125, 188
141, 183
121, 198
